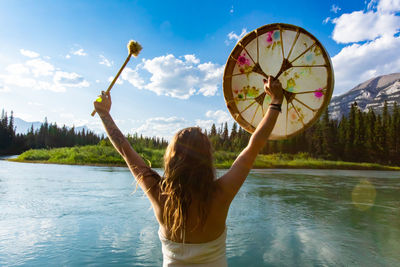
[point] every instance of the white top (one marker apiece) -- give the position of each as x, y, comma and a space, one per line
207, 254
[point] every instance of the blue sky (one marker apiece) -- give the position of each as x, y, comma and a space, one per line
56, 56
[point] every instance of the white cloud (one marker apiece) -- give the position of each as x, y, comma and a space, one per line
133, 77
191, 59
119, 81
371, 4
335, 9
204, 124
232, 36
39, 67
389, 6
357, 63
161, 126
68, 56
69, 79
79, 52
325, 21
17, 69
373, 44
17, 80
29, 53
39, 74
176, 77
105, 61
231, 10
219, 116
362, 26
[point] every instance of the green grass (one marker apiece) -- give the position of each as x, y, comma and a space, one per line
107, 155
86, 155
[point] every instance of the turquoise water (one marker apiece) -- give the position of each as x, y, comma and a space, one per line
59, 215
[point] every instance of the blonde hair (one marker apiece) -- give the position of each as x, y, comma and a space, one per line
189, 174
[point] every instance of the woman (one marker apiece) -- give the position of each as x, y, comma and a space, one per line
190, 204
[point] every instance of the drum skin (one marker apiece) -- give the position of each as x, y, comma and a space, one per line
290, 54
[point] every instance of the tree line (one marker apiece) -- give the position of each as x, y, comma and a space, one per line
358, 137
49, 135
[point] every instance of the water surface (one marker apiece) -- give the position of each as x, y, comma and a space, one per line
64, 215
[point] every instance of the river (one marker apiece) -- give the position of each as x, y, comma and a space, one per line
60, 215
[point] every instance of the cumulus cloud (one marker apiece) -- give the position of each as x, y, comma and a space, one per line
372, 44
176, 77
161, 126
133, 76
360, 26
29, 53
39, 74
389, 6
39, 67
359, 62
79, 52
17, 69
105, 61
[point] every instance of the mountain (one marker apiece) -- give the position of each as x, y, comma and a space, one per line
22, 127
369, 94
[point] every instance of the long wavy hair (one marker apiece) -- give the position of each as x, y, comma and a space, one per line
189, 174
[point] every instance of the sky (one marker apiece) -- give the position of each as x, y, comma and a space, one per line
57, 56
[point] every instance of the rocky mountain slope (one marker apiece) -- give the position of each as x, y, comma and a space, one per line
369, 94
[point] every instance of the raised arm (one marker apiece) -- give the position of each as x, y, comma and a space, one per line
145, 177
234, 178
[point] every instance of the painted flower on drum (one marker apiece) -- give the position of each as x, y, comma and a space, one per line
273, 36
318, 93
242, 60
290, 84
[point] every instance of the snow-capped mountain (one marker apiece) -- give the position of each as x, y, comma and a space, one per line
22, 127
369, 94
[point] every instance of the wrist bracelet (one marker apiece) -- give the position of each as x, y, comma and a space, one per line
276, 107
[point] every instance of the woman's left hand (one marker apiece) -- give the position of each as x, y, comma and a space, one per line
102, 105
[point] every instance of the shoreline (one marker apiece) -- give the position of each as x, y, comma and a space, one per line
348, 166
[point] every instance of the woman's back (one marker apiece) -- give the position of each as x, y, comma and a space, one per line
200, 244
197, 232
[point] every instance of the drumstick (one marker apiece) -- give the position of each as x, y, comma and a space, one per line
133, 48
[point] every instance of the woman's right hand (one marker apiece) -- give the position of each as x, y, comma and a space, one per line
273, 87
102, 105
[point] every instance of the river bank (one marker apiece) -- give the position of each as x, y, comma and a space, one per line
107, 156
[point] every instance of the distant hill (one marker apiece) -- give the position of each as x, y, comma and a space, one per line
22, 127
369, 94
